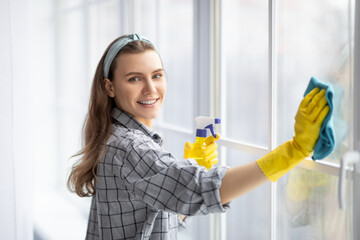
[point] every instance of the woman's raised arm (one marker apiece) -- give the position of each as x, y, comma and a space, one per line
240, 180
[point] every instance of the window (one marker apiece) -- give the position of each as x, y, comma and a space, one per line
247, 62
320, 43
270, 51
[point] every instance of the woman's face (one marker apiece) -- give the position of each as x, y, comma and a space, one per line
139, 85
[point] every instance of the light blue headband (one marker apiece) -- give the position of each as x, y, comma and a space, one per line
117, 46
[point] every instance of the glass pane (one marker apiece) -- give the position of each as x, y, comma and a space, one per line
109, 26
245, 49
101, 31
176, 48
249, 215
69, 3
174, 142
315, 38
148, 22
307, 207
94, 52
198, 229
72, 87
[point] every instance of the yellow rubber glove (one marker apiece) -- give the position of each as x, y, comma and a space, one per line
310, 115
208, 154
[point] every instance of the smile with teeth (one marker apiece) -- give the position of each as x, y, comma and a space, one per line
148, 102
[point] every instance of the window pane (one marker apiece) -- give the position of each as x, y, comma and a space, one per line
198, 229
94, 52
72, 86
315, 38
245, 47
109, 22
101, 31
248, 217
174, 142
69, 3
148, 22
176, 48
307, 207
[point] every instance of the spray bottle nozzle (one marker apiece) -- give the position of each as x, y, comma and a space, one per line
211, 128
204, 123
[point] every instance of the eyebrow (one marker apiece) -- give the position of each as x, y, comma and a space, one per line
139, 73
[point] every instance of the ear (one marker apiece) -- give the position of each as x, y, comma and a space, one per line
109, 87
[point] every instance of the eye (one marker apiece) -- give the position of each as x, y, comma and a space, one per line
157, 75
134, 79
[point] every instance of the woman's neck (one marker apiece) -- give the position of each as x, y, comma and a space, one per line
146, 122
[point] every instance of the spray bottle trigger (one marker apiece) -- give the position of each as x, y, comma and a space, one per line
211, 128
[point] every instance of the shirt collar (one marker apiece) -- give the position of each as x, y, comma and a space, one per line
128, 121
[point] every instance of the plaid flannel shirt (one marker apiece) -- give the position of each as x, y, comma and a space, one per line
141, 188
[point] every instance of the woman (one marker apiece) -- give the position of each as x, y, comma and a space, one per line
138, 189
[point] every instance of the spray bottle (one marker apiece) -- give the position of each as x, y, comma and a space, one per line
197, 150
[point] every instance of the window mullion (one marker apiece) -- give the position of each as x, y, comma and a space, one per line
203, 75
356, 100
218, 220
273, 131
242, 146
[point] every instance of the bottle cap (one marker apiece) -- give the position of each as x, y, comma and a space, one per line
201, 132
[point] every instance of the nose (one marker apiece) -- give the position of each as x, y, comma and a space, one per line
149, 87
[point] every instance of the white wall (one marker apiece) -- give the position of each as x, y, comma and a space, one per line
15, 123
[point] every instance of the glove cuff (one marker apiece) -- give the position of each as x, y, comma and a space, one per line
279, 161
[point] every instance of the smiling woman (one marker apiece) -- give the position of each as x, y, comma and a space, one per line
138, 86
138, 189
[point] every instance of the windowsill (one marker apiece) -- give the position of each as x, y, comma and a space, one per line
55, 217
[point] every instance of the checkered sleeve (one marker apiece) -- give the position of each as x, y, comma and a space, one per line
156, 178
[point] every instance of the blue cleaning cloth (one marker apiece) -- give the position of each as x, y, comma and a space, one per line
326, 142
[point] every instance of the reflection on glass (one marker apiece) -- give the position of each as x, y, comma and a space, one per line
308, 207
248, 217
315, 38
176, 48
245, 46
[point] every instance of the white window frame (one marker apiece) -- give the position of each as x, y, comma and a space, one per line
356, 194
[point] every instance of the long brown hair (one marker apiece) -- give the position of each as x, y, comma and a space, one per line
97, 125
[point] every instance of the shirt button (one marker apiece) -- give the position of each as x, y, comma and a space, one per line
156, 137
